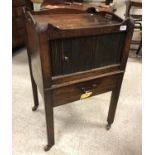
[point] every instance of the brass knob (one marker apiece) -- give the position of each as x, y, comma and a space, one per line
94, 85
66, 58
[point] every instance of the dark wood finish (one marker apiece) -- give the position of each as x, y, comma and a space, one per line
72, 91
114, 101
18, 33
48, 100
74, 54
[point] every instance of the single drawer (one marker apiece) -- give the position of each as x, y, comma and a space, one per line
85, 89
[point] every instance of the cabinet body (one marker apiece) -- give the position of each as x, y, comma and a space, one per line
76, 55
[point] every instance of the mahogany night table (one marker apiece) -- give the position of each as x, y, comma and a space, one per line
76, 54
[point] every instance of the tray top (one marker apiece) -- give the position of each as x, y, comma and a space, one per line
76, 21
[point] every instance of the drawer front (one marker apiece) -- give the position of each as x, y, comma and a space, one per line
80, 54
74, 92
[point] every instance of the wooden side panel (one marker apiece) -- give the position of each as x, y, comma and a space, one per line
33, 52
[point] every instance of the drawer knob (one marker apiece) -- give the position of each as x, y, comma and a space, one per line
66, 58
94, 85
85, 90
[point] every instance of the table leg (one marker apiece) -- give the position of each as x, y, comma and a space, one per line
49, 120
113, 105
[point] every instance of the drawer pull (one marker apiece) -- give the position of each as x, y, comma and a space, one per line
94, 85
86, 95
85, 90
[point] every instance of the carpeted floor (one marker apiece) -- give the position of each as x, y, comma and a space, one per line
79, 126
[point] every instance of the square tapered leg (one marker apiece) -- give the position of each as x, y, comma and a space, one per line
49, 119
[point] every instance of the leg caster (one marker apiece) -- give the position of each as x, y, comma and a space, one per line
35, 107
47, 147
108, 126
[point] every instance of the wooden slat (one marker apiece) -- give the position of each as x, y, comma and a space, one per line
84, 74
55, 86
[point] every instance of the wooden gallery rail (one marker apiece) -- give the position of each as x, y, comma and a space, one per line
76, 54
